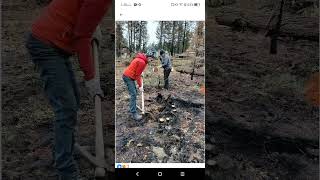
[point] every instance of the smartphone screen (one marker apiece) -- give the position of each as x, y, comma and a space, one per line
160, 88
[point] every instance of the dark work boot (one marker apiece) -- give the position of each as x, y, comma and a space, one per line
136, 116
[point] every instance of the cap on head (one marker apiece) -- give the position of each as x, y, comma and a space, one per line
162, 52
149, 55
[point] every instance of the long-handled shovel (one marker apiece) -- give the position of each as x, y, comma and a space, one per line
142, 99
99, 159
99, 171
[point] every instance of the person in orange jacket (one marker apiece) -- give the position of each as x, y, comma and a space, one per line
131, 74
65, 28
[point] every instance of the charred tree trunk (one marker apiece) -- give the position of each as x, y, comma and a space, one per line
134, 37
184, 36
276, 32
194, 66
119, 39
178, 41
130, 40
160, 45
140, 35
128, 30
173, 37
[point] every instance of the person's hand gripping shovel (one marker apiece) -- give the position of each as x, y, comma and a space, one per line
95, 91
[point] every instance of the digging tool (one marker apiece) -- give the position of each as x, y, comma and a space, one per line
99, 171
84, 152
99, 159
142, 98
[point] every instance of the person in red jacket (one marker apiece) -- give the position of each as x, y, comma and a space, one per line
65, 28
131, 74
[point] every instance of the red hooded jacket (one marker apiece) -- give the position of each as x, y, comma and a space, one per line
136, 67
69, 25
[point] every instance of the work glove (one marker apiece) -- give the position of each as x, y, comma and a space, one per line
155, 69
94, 88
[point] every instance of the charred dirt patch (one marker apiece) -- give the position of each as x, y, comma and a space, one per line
166, 132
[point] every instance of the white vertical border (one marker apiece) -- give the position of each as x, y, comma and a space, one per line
115, 87
205, 84
1, 93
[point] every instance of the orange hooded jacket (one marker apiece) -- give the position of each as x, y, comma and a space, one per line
136, 67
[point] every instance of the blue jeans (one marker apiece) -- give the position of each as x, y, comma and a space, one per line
166, 73
61, 89
133, 93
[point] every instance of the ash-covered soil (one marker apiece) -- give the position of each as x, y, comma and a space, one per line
172, 130
260, 122
26, 115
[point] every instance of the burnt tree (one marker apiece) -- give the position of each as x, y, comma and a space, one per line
274, 33
173, 37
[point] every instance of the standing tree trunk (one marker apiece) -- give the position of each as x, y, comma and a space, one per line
194, 66
130, 44
179, 39
128, 35
140, 35
173, 37
119, 39
184, 36
134, 37
276, 31
160, 45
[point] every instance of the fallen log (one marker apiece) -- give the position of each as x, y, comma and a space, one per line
189, 72
294, 26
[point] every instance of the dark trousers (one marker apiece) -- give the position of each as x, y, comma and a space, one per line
61, 89
166, 73
131, 85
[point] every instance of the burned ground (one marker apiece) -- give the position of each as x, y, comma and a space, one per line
172, 130
26, 115
259, 123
